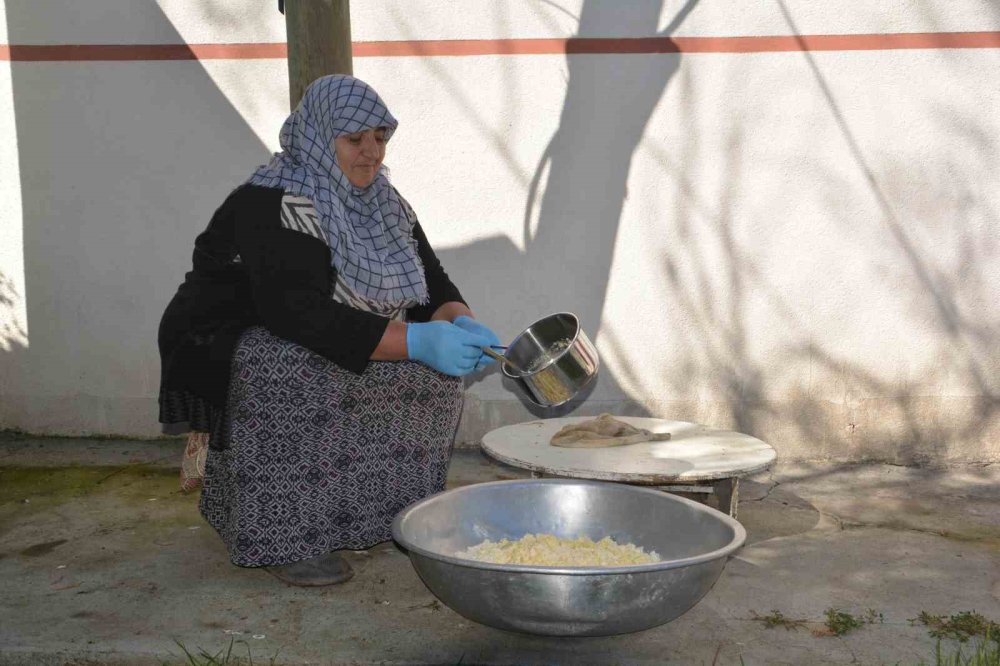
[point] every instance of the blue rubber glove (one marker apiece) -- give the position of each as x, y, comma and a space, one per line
472, 326
444, 347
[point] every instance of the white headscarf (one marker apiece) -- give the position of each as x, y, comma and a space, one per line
368, 229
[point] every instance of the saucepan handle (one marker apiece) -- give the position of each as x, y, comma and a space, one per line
491, 351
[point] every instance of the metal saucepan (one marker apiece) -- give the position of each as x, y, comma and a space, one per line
552, 360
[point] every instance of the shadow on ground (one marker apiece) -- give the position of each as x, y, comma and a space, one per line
107, 561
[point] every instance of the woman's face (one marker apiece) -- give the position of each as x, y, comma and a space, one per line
360, 155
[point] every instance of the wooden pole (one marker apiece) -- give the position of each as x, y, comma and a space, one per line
319, 42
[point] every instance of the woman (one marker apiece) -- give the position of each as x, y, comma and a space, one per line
320, 343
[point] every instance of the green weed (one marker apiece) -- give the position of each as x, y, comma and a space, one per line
960, 626
777, 619
839, 623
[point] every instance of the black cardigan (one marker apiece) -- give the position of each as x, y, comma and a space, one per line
250, 270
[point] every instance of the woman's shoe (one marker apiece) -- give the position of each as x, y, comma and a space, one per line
326, 569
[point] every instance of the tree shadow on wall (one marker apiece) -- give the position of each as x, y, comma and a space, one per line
955, 298
713, 281
121, 165
566, 263
12, 333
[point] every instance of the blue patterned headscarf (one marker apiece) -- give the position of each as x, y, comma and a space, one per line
368, 229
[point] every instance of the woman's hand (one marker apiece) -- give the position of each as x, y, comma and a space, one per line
472, 326
445, 347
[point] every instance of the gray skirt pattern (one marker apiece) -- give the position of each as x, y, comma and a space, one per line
317, 458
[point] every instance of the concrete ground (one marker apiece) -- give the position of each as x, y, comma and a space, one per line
103, 561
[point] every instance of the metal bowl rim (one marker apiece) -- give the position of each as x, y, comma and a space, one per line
739, 535
503, 366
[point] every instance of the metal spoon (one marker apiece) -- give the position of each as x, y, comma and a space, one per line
503, 359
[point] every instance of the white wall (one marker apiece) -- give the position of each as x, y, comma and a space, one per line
799, 245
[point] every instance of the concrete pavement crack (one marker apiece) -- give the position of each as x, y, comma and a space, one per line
845, 524
770, 489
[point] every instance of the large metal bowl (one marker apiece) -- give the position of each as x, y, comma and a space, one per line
693, 540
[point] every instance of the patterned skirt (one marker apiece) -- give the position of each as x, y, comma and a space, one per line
316, 458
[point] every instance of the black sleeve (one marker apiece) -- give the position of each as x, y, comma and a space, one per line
440, 289
289, 274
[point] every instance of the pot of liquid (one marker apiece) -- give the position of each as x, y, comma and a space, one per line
551, 361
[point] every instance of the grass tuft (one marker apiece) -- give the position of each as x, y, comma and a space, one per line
984, 652
224, 657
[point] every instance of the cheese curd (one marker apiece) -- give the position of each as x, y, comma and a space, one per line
549, 550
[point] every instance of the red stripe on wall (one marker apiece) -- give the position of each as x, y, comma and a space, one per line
481, 47
118, 52
776, 44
